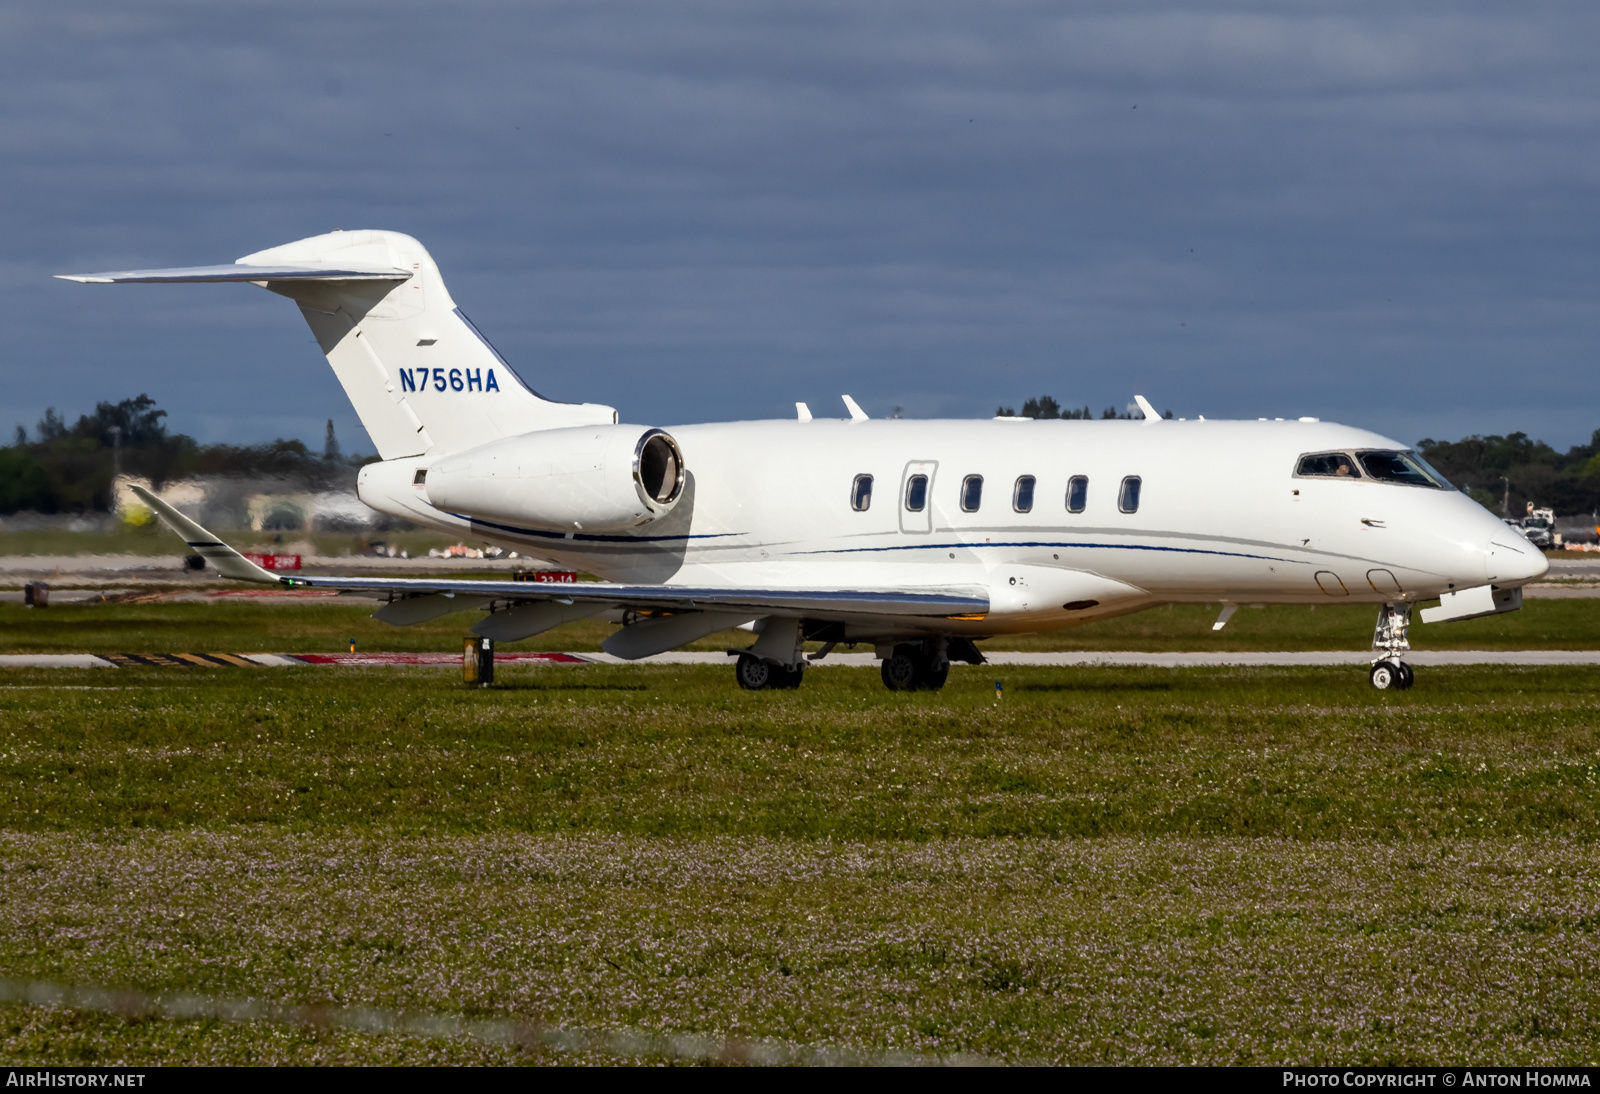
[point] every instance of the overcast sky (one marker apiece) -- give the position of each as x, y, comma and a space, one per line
1375, 213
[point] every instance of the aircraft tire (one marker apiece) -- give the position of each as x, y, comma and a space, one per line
1407, 675
786, 677
902, 671
1386, 675
932, 679
755, 674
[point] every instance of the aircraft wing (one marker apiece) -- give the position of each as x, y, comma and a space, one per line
960, 602
937, 603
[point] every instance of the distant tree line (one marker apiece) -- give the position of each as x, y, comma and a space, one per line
1505, 473
65, 468
1045, 406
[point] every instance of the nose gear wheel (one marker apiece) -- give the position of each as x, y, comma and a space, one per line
1390, 644
1387, 675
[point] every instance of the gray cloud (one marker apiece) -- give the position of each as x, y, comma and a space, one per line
707, 210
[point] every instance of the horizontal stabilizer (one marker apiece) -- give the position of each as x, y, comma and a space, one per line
420, 376
235, 272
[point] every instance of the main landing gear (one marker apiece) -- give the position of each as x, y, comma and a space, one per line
921, 665
754, 674
1390, 644
916, 666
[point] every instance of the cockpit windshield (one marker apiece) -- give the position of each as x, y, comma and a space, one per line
1406, 468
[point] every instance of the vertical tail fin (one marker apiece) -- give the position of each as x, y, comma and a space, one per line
419, 374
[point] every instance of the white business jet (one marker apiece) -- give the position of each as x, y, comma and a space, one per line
918, 537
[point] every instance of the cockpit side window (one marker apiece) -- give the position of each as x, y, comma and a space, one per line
1405, 468
1331, 465
861, 493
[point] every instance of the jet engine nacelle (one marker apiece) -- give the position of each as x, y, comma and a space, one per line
587, 478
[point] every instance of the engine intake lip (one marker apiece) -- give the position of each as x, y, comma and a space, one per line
658, 471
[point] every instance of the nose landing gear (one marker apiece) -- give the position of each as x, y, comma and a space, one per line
1389, 642
1391, 674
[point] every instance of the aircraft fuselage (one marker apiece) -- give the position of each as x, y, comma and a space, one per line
1221, 516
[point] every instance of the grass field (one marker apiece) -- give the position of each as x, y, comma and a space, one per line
1109, 865
263, 627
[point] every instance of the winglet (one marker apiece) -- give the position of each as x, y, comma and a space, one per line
1149, 411
856, 413
229, 563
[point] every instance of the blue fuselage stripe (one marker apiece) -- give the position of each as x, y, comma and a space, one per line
591, 537
1060, 546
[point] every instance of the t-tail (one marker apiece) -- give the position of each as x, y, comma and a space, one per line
421, 377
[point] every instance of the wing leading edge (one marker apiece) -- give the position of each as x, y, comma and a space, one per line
937, 603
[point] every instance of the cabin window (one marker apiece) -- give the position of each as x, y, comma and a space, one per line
1332, 465
1406, 468
917, 493
1128, 496
971, 493
1022, 495
861, 494
420, 477
1077, 493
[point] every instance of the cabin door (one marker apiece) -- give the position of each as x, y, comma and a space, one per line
916, 497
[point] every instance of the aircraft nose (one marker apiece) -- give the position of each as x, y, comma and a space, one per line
1514, 564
